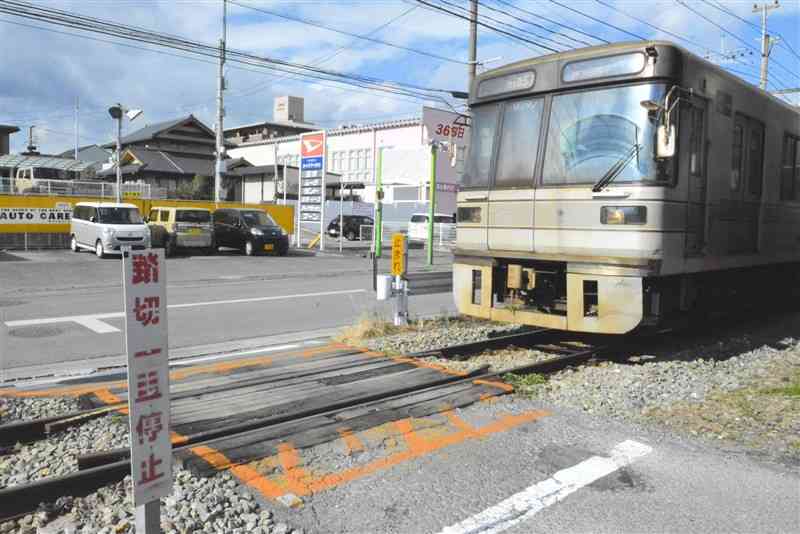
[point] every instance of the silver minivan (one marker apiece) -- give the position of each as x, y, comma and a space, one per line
105, 227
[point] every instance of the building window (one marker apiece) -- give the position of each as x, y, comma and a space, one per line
353, 160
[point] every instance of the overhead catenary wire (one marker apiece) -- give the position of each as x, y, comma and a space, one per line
483, 24
316, 24
329, 56
783, 40
524, 21
735, 36
622, 30
657, 28
181, 56
561, 24
502, 23
110, 28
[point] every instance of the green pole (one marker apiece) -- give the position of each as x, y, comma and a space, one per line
432, 206
377, 232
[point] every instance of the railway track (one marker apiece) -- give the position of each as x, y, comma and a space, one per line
314, 425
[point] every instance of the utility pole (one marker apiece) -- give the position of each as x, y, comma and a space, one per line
219, 169
473, 41
77, 137
766, 41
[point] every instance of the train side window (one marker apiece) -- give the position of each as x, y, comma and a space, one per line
519, 143
789, 167
737, 157
697, 137
755, 158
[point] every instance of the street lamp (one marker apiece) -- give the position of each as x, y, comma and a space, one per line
116, 111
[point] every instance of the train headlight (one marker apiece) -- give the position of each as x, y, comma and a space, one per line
623, 215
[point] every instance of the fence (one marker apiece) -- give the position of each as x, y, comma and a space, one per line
444, 234
70, 188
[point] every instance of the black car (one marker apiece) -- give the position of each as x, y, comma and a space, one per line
352, 226
249, 230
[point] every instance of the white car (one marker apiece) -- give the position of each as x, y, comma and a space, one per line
104, 227
443, 226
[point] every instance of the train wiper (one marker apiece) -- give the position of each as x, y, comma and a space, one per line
617, 168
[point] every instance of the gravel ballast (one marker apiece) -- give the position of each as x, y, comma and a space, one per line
435, 334
209, 505
217, 504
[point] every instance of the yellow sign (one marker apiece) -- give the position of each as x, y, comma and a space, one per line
398, 254
51, 214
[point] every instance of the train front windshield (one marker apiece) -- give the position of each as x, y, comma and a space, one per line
589, 132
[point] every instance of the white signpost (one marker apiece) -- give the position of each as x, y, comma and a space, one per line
148, 383
312, 181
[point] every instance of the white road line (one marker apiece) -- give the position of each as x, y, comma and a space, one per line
95, 322
528, 502
97, 325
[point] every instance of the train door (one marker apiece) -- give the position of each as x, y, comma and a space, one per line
695, 137
747, 164
511, 193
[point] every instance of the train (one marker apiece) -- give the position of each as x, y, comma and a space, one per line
621, 187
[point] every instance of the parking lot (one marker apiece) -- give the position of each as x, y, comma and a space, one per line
60, 306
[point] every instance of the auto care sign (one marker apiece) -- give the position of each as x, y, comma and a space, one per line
148, 374
312, 174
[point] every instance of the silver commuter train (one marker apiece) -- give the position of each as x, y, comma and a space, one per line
621, 186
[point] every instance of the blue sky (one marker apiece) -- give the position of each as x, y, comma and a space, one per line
43, 72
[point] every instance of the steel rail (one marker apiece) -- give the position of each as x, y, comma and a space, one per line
101, 469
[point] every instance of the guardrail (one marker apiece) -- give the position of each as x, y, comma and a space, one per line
428, 283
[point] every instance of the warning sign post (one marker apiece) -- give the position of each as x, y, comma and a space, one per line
144, 273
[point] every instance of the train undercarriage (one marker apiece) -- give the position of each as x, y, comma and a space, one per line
611, 299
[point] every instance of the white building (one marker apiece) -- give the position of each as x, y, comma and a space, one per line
351, 152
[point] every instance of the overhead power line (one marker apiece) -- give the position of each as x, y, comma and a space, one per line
604, 23
727, 11
735, 36
511, 15
495, 29
316, 24
504, 24
120, 31
561, 24
657, 28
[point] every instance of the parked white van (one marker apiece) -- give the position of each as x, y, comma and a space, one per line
105, 227
443, 226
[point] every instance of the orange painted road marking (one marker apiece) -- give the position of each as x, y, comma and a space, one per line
350, 440
302, 483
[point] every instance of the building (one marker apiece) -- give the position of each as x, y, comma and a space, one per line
168, 155
351, 153
90, 154
5, 137
287, 120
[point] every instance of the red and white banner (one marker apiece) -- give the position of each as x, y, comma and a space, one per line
148, 374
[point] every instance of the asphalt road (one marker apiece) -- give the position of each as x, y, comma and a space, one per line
560, 472
60, 306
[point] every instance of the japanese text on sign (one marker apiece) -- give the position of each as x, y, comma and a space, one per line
148, 374
399, 258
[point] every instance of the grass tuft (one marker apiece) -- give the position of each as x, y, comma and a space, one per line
526, 382
368, 327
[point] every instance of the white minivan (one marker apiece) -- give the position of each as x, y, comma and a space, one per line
105, 227
443, 227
